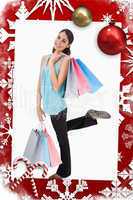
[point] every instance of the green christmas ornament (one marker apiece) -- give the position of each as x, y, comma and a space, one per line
82, 16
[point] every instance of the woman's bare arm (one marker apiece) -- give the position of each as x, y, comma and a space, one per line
58, 81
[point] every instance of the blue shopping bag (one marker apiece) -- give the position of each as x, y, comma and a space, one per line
93, 82
37, 147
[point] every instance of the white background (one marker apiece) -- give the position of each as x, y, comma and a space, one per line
93, 149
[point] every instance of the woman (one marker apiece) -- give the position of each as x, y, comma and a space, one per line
51, 89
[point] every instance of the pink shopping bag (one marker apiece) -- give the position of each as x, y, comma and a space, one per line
54, 155
82, 83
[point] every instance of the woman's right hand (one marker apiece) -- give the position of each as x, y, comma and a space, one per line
54, 58
41, 114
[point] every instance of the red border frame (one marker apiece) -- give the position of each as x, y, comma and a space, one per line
38, 186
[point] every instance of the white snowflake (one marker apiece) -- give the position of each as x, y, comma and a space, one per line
107, 18
8, 83
3, 127
53, 4
3, 83
4, 142
119, 157
125, 4
116, 192
126, 90
126, 30
9, 103
7, 131
11, 24
11, 45
121, 118
9, 63
129, 61
128, 139
127, 172
23, 13
129, 127
4, 35
67, 195
5, 172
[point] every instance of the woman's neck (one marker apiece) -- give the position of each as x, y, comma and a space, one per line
58, 52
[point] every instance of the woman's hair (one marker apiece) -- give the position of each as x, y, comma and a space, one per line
70, 37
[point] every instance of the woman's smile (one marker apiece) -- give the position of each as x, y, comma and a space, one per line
57, 45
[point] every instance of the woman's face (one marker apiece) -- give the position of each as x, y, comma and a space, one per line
61, 42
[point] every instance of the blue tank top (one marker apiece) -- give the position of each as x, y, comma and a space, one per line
53, 101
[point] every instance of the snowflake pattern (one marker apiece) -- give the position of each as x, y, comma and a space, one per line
128, 136
116, 192
119, 157
129, 61
9, 64
127, 173
4, 35
125, 4
126, 98
107, 18
67, 195
5, 172
5, 132
23, 13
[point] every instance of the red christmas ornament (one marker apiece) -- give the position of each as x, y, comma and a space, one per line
111, 39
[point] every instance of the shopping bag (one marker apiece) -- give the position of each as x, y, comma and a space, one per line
53, 153
80, 80
93, 82
41, 147
82, 84
37, 147
71, 90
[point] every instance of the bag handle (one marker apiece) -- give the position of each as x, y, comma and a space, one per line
42, 123
44, 127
